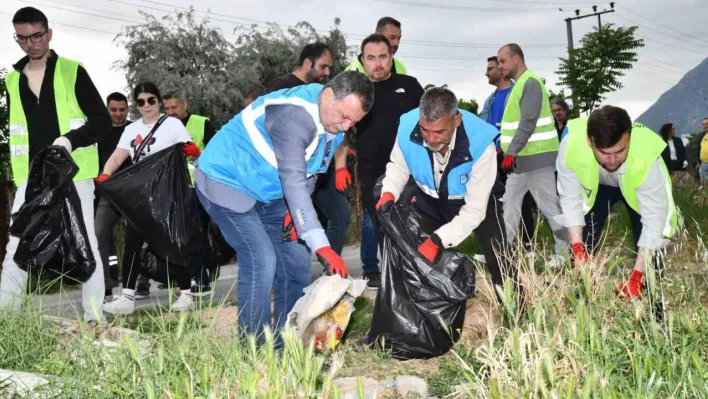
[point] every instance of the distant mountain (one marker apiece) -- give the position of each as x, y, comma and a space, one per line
685, 105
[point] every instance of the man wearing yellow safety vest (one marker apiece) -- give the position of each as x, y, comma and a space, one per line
52, 101
530, 144
606, 158
390, 28
201, 131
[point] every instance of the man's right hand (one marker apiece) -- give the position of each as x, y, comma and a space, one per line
580, 254
289, 232
385, 199
101, 178
333, 262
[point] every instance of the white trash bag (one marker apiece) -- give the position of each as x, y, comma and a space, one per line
323, 312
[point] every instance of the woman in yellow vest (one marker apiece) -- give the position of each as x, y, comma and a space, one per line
604, 159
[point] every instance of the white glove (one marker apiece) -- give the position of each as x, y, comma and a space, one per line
63, 142
685, 164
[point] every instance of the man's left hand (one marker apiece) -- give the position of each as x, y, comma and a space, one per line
63, 142
191, 150
429, 248
342, 179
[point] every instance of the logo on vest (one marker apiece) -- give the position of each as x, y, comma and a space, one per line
463, 179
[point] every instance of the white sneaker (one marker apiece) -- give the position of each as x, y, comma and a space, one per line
557, 261
183, 303
122, 305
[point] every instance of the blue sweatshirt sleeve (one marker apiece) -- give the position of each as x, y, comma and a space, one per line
291, 130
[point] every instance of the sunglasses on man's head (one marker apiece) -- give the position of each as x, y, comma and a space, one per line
150, 100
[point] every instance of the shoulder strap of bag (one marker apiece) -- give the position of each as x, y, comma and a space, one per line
146, 140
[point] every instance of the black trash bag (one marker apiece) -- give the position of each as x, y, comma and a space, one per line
50, 224
156, 198
156, 269
416, 297
222, 253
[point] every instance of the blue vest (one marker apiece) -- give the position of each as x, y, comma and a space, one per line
472, 139
241, 153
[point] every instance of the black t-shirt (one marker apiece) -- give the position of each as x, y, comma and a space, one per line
376, 133
109, 143
283, 82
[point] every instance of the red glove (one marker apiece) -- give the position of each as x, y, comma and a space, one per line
289, 232
342, 179
429, 249
191, 150
101, 178
385, 198
509, 163
633, 287
580, 254
333, 262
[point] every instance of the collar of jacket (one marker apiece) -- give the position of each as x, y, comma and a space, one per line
51, 62
460, 154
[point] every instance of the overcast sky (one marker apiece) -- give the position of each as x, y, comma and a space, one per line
444, 41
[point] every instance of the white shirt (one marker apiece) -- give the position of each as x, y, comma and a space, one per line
672, 150
171, 132
479, 188
441, 161
653, 195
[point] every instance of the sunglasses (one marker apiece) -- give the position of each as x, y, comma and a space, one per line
150, 100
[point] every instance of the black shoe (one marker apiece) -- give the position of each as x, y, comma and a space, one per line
374, 280
142, 292
199, 290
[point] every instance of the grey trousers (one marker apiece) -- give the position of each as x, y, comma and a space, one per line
542, 185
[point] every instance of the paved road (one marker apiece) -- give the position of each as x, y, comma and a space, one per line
68, 304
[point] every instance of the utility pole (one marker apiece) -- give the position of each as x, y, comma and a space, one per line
569, 29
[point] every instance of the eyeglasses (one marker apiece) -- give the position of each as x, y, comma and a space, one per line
36, 38
150, 100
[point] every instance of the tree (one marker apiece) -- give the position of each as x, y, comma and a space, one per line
595, 68
468, 105
184, 52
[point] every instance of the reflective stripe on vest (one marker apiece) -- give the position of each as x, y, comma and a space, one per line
241, 154
69, 115
479, 134
645, 147
544, 137
195, 128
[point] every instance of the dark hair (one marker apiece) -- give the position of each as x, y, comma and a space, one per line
560, 102
375, 38
116, 97
147, 87
353, 82
383, 22
493, 58
665, 130
607, 125
255, 93
30, 15
438, 102
312, 52
514, 49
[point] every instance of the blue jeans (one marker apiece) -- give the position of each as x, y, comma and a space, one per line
265, 261
334, 204
369, 245
703, 172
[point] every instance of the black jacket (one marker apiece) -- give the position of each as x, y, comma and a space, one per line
41, 114
681, 155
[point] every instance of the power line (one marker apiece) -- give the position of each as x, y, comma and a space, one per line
72, 26
83, 12
665, 26
479, 58
661, 62
482, 9
660, 32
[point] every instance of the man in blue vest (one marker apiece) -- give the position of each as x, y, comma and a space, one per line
450, 153
255, 178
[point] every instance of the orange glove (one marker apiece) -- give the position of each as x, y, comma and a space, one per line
385, 198
342, 179
289, 232
430, 248
191, 150
580, 254
333, 262
101, 178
